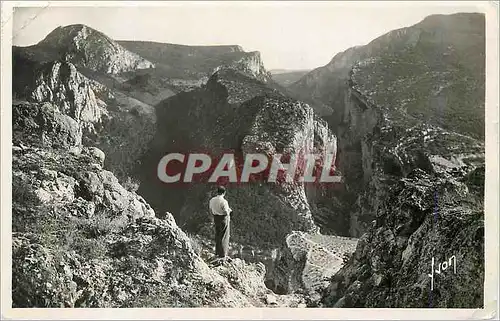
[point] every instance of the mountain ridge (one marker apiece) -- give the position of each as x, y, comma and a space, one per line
325, 86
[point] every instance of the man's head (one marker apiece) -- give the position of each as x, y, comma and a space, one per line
221, 190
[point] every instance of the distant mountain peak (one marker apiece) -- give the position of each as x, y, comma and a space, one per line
89, 48
66, 35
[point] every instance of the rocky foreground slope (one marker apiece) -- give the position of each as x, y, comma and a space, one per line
80, 239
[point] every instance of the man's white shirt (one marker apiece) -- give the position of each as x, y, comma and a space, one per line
219, 205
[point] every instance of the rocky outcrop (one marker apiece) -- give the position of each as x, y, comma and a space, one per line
251, 64
82, 240
43, 125
60, 84
433, 213
89, 48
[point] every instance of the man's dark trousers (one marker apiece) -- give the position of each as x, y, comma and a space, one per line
221, 235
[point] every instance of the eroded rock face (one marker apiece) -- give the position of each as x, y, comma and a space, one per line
92, 49
251, 64
62, 85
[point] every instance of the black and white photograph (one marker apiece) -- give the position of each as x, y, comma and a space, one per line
293, 155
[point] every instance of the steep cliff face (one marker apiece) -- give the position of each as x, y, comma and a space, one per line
411, 148
89, 48
432, 71
424, 198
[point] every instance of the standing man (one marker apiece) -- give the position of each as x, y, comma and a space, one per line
220, 210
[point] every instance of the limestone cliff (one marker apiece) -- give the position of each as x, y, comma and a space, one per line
413, 138
423, 201
62, 85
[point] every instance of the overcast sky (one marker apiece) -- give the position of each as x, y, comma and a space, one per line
293, 35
